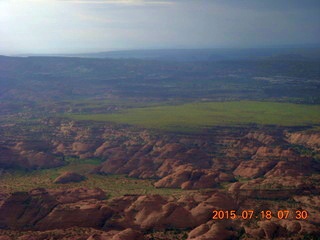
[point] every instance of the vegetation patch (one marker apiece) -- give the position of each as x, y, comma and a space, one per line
202, 115
114, 185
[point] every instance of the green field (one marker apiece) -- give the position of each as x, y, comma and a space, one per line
195, 116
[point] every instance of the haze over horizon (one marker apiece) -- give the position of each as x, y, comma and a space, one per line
79, 26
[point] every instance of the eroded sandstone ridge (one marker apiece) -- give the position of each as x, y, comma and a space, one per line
237, 168
127, 216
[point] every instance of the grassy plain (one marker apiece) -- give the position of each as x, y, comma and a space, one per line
201, 115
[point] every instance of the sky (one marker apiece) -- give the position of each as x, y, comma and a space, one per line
80, 26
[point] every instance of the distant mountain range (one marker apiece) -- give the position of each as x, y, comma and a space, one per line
190, 55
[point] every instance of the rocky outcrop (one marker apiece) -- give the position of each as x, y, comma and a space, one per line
69, 177
146, 162
310, 139
155, 212
129, 217
189, 161
303, 167
263, 137
85, 213
274, 188
281, 229
277, 152
211, 230
128, 234
42, 209
19, 157
253, 168
187, 177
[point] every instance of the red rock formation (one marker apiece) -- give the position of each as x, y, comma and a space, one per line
253, 168
307, 139
69, 177
261, 137
42, 209
128, 216
30, 159
275, 153
303, 167
210, 230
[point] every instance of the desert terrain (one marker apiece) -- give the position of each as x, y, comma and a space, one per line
124, 149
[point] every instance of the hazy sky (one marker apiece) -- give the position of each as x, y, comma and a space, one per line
69, 26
